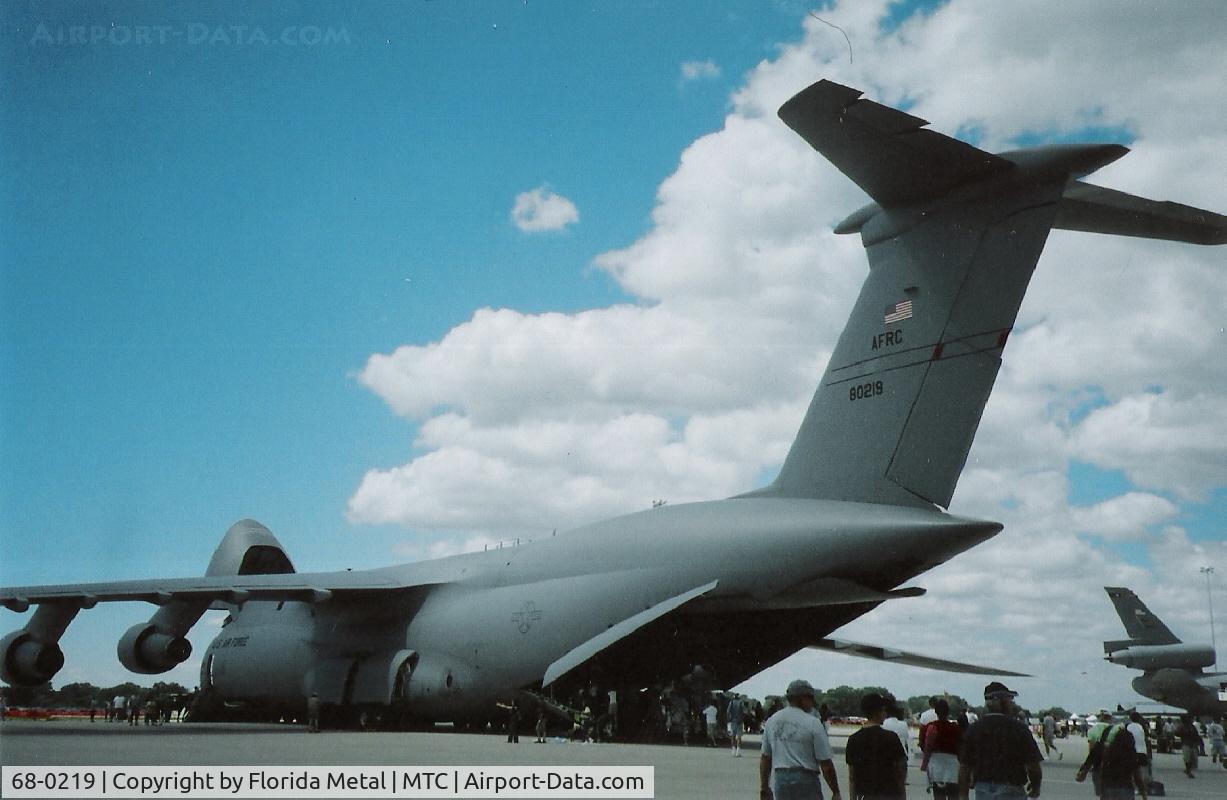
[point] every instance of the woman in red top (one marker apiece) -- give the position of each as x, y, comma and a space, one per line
941, 753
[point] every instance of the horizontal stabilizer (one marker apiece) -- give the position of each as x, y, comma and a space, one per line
1086, 207
910, 659
886, 152
626, 627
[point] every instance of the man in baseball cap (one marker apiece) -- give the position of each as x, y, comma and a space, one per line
997, 689
795, 751
999, 754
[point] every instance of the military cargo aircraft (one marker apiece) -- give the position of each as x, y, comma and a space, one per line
733, 585
1172, 672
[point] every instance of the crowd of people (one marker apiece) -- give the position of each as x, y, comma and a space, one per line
680, 714
992, 757
136, 709
995, 756
995, 753
148, 708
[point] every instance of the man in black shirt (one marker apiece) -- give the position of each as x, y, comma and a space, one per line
1191, 743
998, 752
877, 764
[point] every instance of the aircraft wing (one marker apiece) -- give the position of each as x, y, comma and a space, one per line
886, 152
311, 587
578, 655
903, 657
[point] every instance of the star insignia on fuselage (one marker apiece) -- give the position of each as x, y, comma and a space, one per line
526, 616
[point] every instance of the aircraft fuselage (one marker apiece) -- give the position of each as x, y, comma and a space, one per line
1196, 692
497, 620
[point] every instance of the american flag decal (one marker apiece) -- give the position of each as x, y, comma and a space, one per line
897, 312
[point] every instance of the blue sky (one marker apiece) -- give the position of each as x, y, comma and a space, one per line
206, 241
207, 237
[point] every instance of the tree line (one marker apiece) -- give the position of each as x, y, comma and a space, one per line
83, 695
845, 701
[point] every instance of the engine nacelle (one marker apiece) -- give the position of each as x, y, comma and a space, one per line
27, 661
1161, 656
149, 651
32, 655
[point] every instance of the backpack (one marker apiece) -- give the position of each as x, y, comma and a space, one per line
1118, 758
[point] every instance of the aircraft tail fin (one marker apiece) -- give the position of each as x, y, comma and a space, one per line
1140, 622
952, 241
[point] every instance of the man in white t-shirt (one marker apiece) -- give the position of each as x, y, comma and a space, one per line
896, 724
1141, 744
927, 716
710, 714
795, 751
1218, 747
1049, 727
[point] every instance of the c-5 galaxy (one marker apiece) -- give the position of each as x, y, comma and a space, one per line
735, 585
1173, 672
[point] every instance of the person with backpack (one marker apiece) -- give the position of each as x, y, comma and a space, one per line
1114, 759
735, 713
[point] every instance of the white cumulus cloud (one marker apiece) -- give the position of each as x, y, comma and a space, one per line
527, 422
1173, 443
542, 209
1124, 517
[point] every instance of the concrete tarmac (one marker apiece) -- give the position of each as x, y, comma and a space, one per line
681, 772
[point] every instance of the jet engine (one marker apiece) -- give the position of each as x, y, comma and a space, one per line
32, 655
148, 651
27, 661
159, 645
1160, 656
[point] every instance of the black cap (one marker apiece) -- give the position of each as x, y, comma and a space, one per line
998, 689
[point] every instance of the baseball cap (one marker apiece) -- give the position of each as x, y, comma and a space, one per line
998, 689
800, 688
